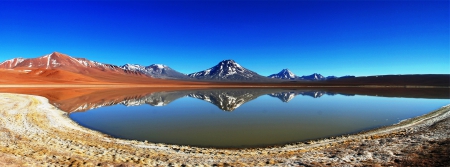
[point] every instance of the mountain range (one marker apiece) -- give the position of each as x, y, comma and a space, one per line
289, 75
81, 69
61, 69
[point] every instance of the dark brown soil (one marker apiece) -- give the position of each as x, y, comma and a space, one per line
432, 154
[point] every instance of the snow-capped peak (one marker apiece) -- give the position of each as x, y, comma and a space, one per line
227, 67
284, 74
160, 66
318, 76
287, 73
132, 67
224, 69
314, 76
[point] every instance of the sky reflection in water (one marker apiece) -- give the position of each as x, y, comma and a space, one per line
263, 121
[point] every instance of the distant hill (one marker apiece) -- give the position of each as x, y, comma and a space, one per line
404, 80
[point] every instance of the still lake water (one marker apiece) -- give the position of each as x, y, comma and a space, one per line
249, 117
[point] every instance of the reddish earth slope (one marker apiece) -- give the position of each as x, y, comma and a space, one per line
39, 76
57, 68
61, 61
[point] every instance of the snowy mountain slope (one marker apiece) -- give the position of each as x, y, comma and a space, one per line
284, 74
156, 71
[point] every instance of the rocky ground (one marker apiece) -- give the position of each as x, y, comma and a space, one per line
35, 133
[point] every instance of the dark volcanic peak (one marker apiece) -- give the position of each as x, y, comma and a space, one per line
284, 74
228, 70
156, 71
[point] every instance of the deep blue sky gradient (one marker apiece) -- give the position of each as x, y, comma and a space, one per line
327, 37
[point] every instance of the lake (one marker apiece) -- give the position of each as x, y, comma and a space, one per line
240, 118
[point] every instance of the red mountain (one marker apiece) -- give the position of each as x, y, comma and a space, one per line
58, 67
61, 61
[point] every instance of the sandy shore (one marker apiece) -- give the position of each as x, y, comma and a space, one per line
35, 133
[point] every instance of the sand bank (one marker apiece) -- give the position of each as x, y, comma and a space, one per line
35, 133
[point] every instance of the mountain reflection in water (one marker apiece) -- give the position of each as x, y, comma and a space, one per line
83, 99
224, 99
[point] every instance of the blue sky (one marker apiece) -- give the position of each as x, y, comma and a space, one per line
327, 37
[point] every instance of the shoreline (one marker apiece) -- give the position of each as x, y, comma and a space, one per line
35, 133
